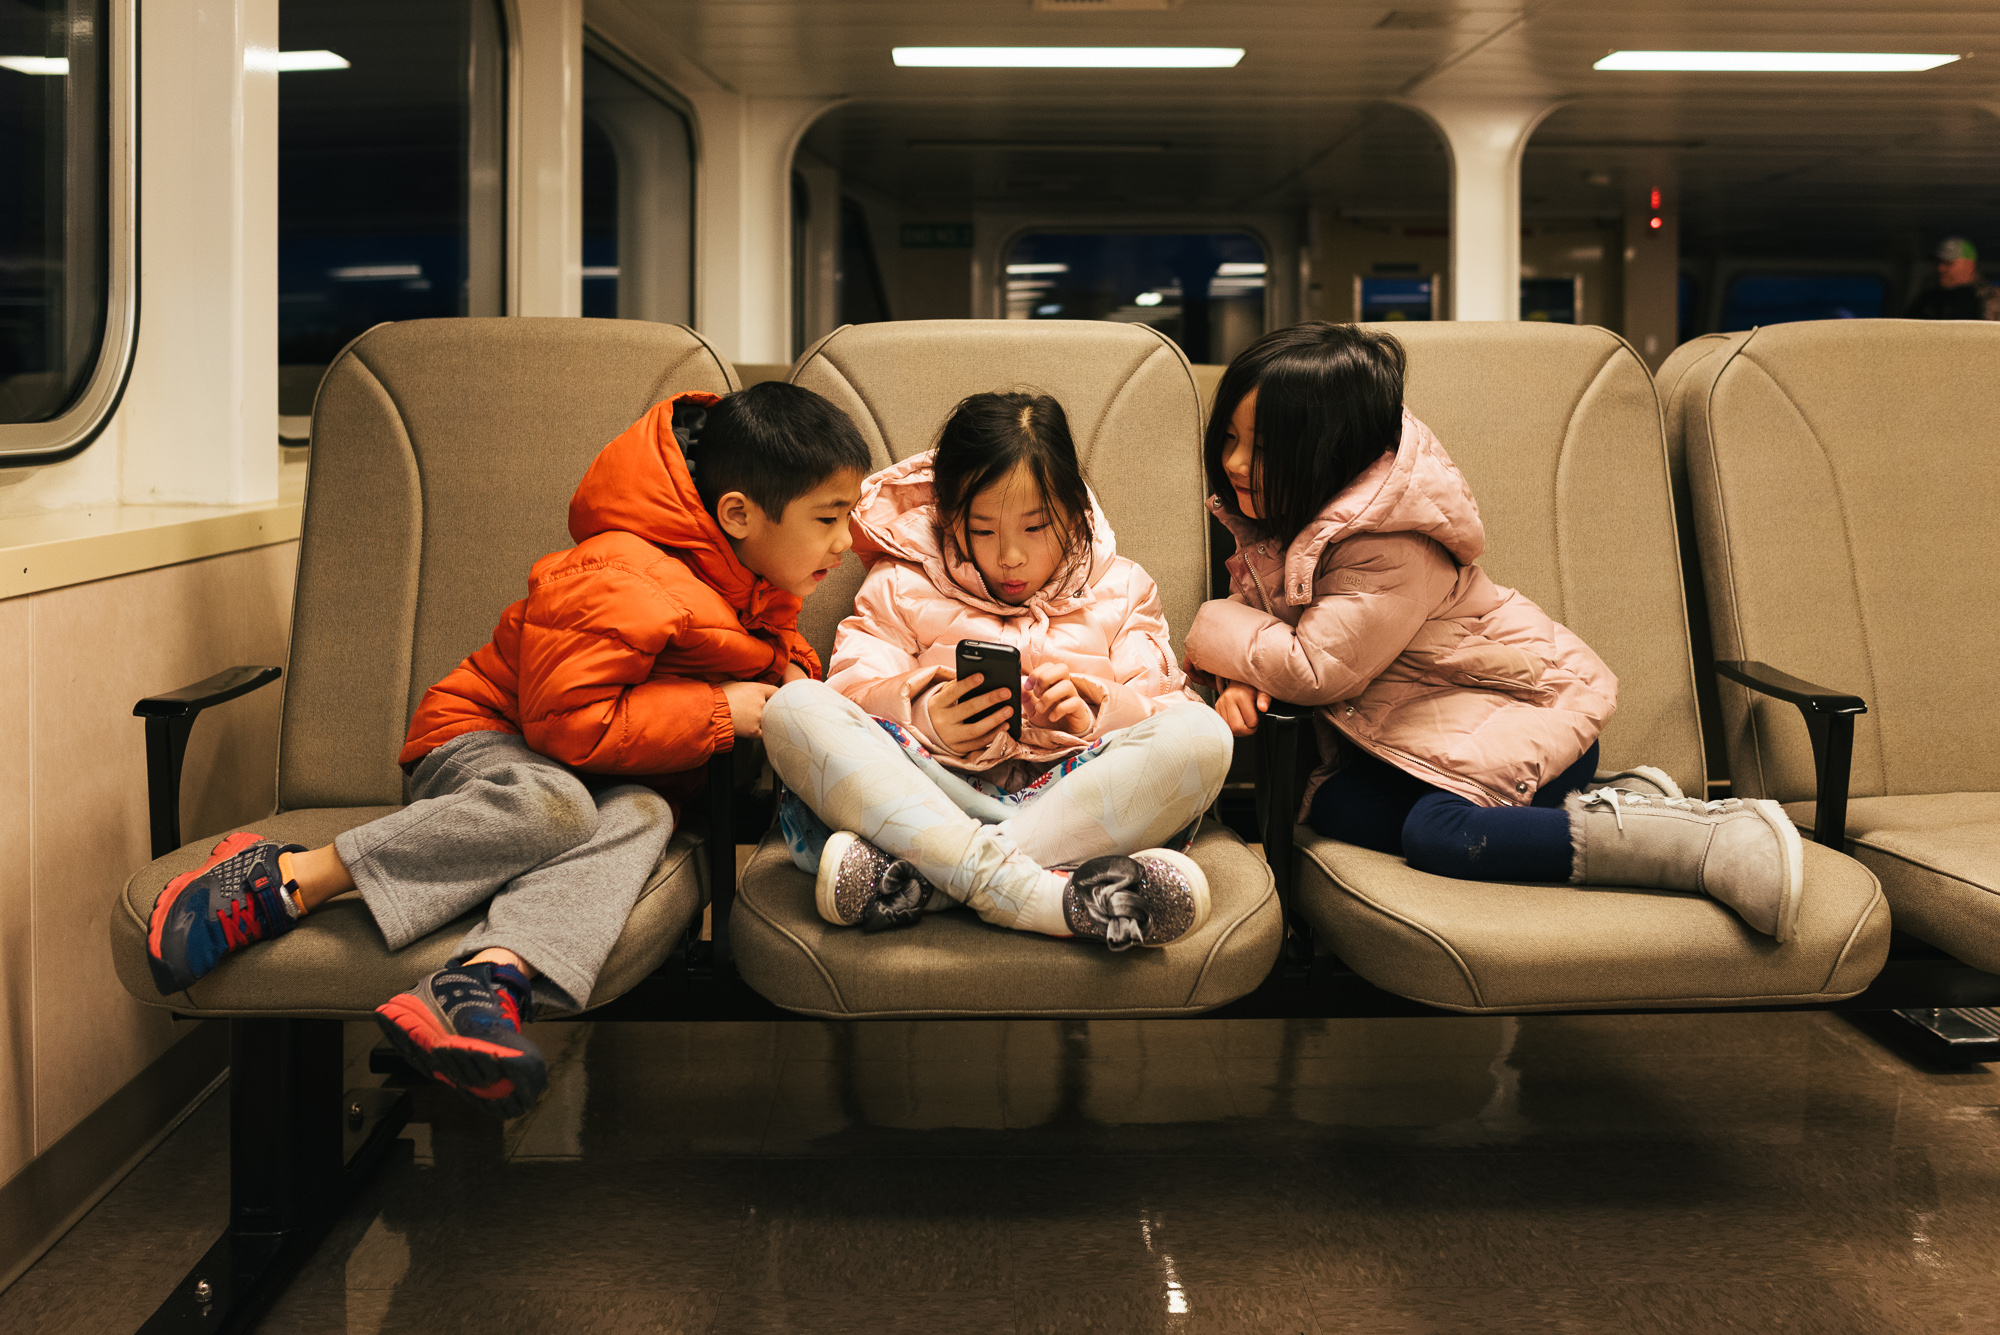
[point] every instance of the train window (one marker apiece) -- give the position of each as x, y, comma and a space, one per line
1754, 299
1395, 298
638, 199
66, 274
1551, 300
391, 191
1204, 290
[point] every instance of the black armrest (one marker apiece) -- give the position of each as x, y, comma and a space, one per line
1829, 716
720, 842
169, 720
1279, 735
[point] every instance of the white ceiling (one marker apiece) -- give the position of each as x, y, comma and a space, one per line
1305, 115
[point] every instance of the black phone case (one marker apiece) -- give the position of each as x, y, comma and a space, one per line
983, 664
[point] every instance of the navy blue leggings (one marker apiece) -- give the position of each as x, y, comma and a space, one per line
1372, 803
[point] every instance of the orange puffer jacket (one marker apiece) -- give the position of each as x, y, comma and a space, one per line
614, 661
1376, 613
1103, 622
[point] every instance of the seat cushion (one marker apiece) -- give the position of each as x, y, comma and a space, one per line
1938, 858
954, 964
335, 964
1481, 946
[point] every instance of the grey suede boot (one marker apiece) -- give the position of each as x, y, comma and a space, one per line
1644, 779
1747, 854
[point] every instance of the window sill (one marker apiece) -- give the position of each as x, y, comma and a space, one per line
66, 547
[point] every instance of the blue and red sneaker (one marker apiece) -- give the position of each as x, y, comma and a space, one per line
235, 899
462, 1027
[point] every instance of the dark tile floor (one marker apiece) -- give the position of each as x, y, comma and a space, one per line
1694, 1173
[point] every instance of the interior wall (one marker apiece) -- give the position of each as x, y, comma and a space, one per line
1349, 246
74, 758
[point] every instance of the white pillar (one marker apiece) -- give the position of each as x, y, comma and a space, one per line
1485, 137
743, 219
546, 273
200, 415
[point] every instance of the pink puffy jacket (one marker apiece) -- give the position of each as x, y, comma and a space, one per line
914, 608
1377, 615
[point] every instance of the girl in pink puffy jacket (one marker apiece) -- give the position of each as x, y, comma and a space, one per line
902, 798
1458, 721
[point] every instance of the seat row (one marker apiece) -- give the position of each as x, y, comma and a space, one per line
1819, 497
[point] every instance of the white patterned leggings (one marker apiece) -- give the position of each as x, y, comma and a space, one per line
1132, 790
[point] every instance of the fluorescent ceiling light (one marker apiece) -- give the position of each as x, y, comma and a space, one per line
290, 62
362, 273
1069, 57
1780, 62
1037, 268
1237, 270
1038, 146
35, 64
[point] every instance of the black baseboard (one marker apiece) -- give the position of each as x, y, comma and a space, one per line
59, 1186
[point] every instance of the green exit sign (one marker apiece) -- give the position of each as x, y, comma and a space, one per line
937, 236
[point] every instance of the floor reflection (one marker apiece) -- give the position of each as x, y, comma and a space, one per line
1660, 1173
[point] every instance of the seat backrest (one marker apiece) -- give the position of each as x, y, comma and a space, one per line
1558, 431
444, 454
1674, 376
1126, 390
1846, 484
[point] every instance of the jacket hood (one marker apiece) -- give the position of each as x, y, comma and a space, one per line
897, 517
641, 484
1417, 489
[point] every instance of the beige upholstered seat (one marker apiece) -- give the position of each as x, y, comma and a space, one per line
1132, 405
1558, 430
1846, 483
444, 456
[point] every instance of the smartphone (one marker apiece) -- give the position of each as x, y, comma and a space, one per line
999, 665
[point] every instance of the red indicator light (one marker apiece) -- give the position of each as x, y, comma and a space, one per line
1656, 199
1655, 224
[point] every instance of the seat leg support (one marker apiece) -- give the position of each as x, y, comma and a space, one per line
298, 1149
1943, 1035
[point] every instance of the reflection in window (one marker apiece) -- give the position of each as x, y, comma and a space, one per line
1203, 290
1781, 298
1377, 299
862, 297
391, 202
638, 200
1551, 300
54, 178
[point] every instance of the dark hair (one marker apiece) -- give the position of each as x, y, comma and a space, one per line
1329, 403
773, 442
984, 440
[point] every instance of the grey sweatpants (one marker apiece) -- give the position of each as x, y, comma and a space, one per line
558, 860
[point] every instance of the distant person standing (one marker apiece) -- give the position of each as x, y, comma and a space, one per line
1960, 294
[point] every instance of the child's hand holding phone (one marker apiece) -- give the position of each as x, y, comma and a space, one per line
1055, 702
955, 702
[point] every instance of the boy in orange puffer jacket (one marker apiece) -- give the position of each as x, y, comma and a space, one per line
540, 767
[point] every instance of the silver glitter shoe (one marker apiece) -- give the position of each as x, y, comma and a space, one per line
1153, 898
859, 883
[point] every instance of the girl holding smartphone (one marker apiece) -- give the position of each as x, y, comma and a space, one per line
908, 786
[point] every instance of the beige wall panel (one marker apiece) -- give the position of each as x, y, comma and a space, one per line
17, 956
96, 649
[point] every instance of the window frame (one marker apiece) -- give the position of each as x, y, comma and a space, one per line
649, 81
34, 444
